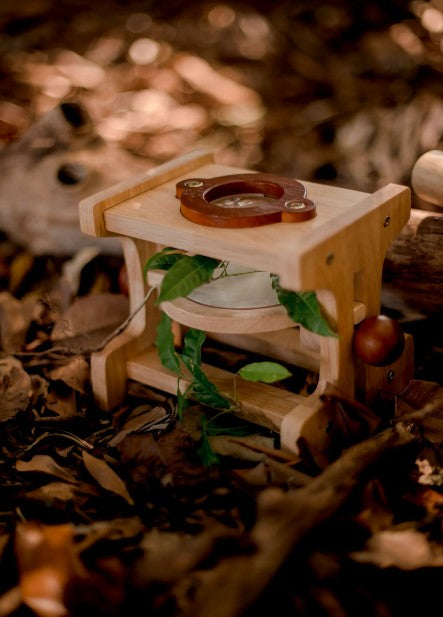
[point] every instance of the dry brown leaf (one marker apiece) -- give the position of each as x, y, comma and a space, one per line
406, 549
12, 323
10, 601
53, 490
15, 388
270, 471
113, 530
105, 476
90, 319
39, 388
170, 454
47, 561
42, 463
64, 405
142, 419
264, 446
248, 448
74, 374
375, 515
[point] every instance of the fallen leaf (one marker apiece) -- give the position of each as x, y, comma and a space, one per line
10, 601
47, 561
42, 463
105, 476
248, 448
264, 445
40, 387
12, 323
143, 419
170, 455
52, 491
375, 515
64, 405
270, 471
75, 374
89, 319
15, 388
406, 549
113, 530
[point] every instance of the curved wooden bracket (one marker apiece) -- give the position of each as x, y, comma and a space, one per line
244, 200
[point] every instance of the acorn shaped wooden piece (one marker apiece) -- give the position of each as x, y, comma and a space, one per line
379, 340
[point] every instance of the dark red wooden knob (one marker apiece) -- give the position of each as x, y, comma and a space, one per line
379, 341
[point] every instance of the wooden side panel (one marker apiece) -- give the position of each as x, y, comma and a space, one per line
108, 367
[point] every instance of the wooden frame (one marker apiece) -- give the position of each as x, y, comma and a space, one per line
339, 254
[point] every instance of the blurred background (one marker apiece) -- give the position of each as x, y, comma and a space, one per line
349, 93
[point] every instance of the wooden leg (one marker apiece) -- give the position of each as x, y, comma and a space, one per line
108, 367
336, 367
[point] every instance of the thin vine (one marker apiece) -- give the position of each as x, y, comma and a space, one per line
184, 273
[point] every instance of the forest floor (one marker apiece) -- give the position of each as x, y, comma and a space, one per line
116, 514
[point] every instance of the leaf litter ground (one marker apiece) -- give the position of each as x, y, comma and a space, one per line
115, 515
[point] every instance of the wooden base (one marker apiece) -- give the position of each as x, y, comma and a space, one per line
265, 405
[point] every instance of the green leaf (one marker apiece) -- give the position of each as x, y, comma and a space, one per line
206, 453
303, 308
203, 390
182, 400
192, 346
268, 372
163, 260
165, 345
185, 275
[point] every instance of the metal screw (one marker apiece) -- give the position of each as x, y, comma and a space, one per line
193, 184
329, 258
387, 221
295, 205
390, 376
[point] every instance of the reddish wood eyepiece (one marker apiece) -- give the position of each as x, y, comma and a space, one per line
244, 200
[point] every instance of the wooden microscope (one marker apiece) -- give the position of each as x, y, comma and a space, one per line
316, 237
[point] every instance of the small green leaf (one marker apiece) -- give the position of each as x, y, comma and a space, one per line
206, 453
185, 275
303, 308
192, 346
268, 372
165, 345
163, 260
182, 400
203, 390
